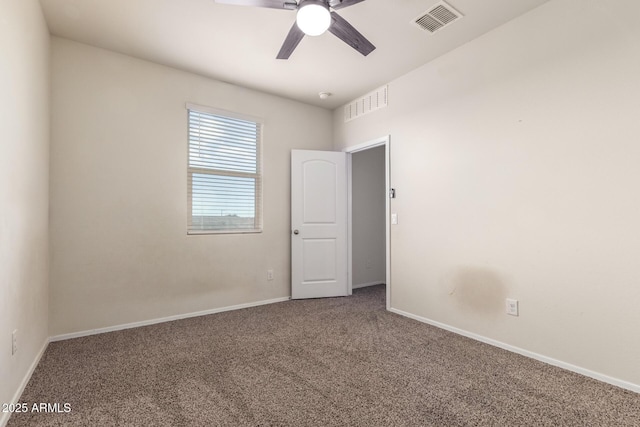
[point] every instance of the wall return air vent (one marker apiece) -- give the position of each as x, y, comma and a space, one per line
366, 104
437, 17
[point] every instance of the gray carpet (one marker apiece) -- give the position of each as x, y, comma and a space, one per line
329, 362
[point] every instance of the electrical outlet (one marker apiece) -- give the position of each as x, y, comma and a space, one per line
394, 218
270, 274
14, 342
512, 307
367, 264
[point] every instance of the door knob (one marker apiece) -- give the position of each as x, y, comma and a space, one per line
296, 232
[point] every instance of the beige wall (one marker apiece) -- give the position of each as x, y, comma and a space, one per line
516, 162
24, 194
368, 198
118, 193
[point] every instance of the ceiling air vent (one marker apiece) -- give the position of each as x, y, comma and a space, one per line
437, 17
366, 104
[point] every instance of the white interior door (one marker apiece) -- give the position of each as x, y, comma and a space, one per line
318, 224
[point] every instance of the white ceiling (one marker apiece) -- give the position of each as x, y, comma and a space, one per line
239, 44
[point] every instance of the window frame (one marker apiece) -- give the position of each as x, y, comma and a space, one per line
259, 175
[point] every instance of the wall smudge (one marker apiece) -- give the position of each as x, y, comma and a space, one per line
478, 289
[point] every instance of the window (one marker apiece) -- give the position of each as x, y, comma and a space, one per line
225, 182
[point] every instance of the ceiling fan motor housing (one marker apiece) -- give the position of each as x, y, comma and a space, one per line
324, 3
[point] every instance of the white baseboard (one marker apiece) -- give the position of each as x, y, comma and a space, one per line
4, 416
164, 319
549, 360
364, 285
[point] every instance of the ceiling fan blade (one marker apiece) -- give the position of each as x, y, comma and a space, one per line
345, 32
273, 4
340, 4
291, 42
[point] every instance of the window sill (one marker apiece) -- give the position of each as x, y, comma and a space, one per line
205, 232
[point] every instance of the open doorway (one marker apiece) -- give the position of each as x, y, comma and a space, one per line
368, 212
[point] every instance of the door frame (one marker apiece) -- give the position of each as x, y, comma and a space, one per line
386, 142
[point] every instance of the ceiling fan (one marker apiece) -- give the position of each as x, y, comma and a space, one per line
313, 18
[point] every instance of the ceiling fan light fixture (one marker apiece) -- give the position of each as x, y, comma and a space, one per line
313, 17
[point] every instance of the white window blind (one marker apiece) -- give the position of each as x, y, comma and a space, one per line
224, 176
